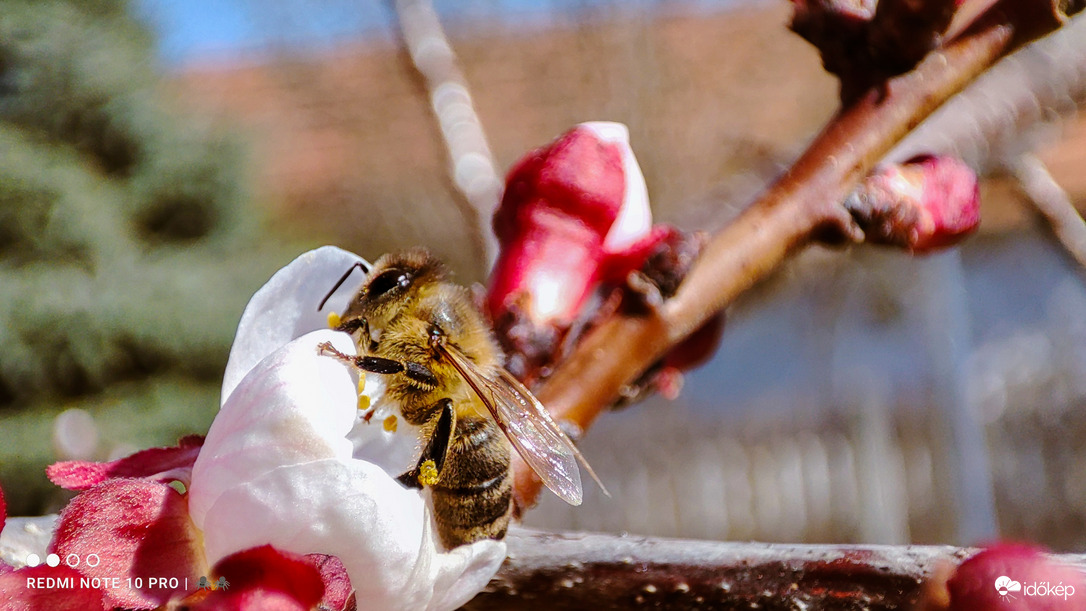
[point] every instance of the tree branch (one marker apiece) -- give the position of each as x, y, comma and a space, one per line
597, 571
800, 208
471, 165
1051, 203
998, 115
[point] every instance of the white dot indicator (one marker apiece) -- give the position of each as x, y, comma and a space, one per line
52, 560
33, 560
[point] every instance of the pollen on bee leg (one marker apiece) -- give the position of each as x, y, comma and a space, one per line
428, 473
333, 320
391, 423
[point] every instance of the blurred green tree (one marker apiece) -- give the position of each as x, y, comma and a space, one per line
127, 243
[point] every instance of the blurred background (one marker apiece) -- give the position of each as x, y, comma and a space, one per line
159, 160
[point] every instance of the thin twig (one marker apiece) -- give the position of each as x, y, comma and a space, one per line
1052, 203
802, 207
471, 164
996, 116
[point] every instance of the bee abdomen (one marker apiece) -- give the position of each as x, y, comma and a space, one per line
473, 498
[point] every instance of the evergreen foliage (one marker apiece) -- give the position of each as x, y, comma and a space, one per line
127, 247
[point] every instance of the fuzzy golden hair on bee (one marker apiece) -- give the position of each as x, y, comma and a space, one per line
393, 285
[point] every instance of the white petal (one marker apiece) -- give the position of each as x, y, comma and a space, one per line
295, 406
286, 308
634, 217
277, 467
354, 511
393, 452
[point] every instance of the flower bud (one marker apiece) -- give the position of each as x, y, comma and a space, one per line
864, 42
566, 208
1015, 577
569, 209
926, 203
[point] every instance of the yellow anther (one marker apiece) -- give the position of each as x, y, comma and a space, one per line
333, 320
390, 424
427, 473
361, 382
363, 403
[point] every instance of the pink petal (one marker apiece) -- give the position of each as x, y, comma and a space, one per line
618, 265
337, 584
257, 600
43, 587
264, 578
138, 528
161, 464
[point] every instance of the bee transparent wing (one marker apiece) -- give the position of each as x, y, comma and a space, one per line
529, 427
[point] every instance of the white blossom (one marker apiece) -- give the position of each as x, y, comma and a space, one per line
289, 461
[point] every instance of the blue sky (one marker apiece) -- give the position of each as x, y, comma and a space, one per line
190, 29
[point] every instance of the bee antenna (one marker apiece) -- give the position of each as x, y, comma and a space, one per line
362, 265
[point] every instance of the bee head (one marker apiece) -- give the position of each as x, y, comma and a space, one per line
392, 285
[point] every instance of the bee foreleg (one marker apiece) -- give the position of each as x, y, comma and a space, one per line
415, 371
432, 460
350, 326
377, 364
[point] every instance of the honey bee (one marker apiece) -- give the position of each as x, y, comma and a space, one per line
414, 325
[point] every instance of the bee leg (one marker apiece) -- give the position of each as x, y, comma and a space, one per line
377, 364
432, 460
350, 326
367, 336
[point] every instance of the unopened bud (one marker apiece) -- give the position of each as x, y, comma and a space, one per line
1015, 577
568, 209
865, 42
926, 203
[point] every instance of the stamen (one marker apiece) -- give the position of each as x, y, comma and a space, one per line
391, 423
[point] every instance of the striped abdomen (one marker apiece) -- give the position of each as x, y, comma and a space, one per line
473, 498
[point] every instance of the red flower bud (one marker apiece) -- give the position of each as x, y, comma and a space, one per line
1015, 577
926, 203
566, 208
575, 218
569, 210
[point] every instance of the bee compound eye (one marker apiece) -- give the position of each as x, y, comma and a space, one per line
387, 281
